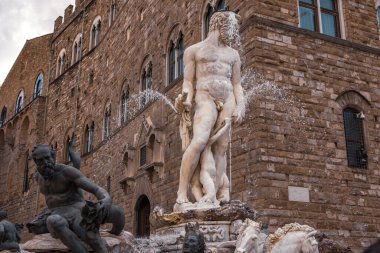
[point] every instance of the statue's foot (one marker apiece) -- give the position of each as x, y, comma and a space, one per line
206, 199
182, 199
224, 198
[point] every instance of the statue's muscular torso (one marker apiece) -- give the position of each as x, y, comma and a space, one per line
58, 189
213, 69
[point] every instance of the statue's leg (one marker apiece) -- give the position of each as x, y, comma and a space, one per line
223, 193
204, 120
196, 186
219, 150
59, 227
208, 175
95, 241
117, 218
11, 246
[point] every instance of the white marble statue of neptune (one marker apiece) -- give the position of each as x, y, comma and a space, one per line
212, 91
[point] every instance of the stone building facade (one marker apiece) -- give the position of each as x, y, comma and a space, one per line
292, 158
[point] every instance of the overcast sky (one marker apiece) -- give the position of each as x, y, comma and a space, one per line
22, 20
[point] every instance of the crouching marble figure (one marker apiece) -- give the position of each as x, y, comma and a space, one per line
9, 234
211, 97
68, 216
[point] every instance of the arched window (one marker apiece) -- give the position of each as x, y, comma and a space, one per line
3, 116
77, 49
172, 68
180, 52
67, 152
25, 183
89, 137
107, 123
61, 62
112, 15
220, 5
95, 33
109, 184
378, 15
142, 215
20, 101
146, 84
124, 107
38, 86
353, 129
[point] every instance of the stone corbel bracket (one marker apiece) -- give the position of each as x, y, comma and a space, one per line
128, 183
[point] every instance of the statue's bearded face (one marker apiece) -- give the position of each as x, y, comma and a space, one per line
44, 159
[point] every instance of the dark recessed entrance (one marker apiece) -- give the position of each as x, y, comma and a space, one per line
143, 211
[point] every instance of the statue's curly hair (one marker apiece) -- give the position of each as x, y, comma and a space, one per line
223, 21
38, 146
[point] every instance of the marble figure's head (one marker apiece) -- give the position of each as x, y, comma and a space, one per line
227, 23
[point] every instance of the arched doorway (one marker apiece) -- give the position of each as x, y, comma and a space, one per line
142, 217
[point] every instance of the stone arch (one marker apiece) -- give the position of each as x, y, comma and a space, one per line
95, 32
38, 84
174, 52
145, 64
353, 99
173, 34
142, 212
24, 133
88, 134
20, 101
3, 116
377, 4
76, 49
9, 135
61, 62
65, 147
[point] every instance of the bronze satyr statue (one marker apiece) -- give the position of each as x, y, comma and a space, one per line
64, 218
9, 234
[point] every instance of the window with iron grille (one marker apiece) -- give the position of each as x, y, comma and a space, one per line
353, 129
143, 155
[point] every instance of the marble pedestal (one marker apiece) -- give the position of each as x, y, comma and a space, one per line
218, 225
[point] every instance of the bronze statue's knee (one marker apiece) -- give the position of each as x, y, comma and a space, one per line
55, 222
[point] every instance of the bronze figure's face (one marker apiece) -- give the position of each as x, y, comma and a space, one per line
44, 158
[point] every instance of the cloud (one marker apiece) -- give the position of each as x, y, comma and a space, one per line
22, 20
